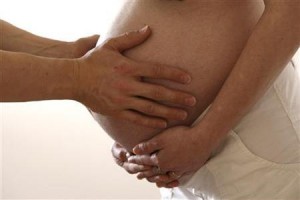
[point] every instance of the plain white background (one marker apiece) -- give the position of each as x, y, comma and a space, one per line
54, 149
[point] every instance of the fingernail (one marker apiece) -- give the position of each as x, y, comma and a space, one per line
144, 29
186, 78
190, 101
135, 150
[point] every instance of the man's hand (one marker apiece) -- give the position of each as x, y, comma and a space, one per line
111, 84
175, 152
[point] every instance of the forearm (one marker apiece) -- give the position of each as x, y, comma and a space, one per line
18, 40
270, 47
26, 77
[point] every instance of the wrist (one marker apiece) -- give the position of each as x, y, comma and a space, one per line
205, 131
63, 80
76, 86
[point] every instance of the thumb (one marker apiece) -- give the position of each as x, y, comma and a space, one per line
129, 40
91, 41
119, 152
83, 45
147, 147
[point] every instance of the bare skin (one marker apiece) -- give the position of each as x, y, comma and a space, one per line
272, 43
35, 68
203, 37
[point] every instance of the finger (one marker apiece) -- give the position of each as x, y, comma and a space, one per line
90, 41
172, 184
159, 71
129, 39
148, 147
174, 175
156, 110
144, 160
143, 120
133, 168
159, 178
153, 172
161, 93
167, 185
119, 152
147, 174
85, 44
119, 162
161, 184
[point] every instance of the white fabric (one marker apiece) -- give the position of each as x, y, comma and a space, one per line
260, 158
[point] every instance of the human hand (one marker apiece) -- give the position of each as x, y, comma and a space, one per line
120, 155
175, 152
111, 84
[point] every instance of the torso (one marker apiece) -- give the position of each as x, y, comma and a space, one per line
204, 37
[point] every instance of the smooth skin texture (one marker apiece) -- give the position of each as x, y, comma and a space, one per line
35, 68
271, 45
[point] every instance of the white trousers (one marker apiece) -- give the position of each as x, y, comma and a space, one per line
260, 159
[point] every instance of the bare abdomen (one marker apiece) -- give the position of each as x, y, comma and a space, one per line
203, 37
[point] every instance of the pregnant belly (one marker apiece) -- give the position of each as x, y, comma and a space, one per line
203, 37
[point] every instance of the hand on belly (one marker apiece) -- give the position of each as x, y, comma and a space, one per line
167, 157
120, 90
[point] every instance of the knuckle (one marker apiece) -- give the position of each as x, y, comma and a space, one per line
162, 165
119, 162
136, 120
131, 170
121, 85
117, 100
157, 94
170, 94
124, 67
150, 108
136, 168
117, 84
147, 122
177, 96
175, 114
119, 67
157, 161
157, 70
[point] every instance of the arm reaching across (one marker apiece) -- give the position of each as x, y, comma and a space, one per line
103, 80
